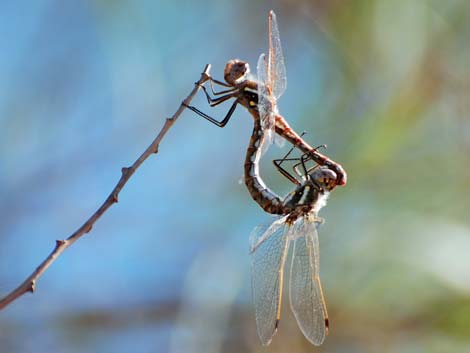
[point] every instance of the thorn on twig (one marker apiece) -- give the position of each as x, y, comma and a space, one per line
89, 228
32, 286
60, 242
114, 197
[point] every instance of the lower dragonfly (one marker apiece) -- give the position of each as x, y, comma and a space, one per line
295, 224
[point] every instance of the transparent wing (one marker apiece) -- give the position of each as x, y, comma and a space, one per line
306, 296
280, 141
268, 253
265, 106
277, 77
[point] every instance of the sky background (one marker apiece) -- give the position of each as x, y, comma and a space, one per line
85, 86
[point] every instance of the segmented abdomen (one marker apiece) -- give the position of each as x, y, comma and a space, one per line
265, 197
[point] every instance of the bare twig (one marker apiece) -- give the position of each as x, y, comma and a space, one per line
29, 284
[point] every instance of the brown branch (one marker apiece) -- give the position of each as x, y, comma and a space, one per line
29, 285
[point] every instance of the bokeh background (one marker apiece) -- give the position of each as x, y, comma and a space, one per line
86, 85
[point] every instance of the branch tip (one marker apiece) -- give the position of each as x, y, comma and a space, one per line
205, 73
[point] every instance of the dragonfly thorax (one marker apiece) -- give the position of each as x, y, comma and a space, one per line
311, 195
236, 71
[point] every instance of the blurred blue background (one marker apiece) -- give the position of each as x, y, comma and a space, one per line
86, 85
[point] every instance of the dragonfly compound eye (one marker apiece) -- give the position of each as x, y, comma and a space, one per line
236, 71
324, 177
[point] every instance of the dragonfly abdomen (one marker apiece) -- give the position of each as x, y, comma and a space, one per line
265, 197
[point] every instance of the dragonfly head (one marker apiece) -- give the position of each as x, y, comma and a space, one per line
236, 71
324, 178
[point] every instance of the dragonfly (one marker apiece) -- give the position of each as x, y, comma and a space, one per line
295, 224
297, 214
260, 97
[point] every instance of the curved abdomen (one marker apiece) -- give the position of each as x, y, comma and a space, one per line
265, 197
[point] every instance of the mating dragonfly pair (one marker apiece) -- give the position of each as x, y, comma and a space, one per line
297, 213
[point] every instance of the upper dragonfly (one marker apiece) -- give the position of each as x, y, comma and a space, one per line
260, 98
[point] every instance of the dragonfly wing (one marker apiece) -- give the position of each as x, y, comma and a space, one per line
264, 231
280, 141
306, 296
277, 76
265, 106
268, 253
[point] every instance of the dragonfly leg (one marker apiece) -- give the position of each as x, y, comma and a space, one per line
282, 170
223, 84
214, 92
304, 159
214, 121
216, 101
301, 162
